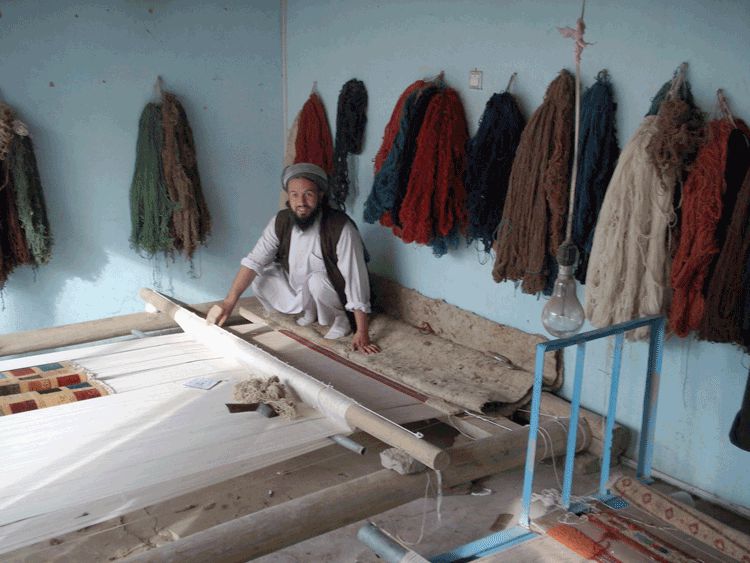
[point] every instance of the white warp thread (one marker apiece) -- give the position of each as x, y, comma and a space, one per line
325, 399
628, 274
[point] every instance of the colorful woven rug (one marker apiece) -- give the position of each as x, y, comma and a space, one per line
46, 385
711, 532
607, 537
38, 378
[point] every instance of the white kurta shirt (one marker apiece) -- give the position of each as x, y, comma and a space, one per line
306, 257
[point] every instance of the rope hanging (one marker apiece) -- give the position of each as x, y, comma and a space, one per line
701, 212
598, 152
313, 142
533, 220
351, 119
489, 159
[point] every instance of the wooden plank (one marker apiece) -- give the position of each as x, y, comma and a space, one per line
100, 329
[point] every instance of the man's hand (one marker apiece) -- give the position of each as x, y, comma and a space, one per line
361, 342
218, 314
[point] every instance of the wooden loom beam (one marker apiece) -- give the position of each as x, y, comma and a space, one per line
355, 415
90, 331
269, 530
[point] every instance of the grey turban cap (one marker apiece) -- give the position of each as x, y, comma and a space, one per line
305, 170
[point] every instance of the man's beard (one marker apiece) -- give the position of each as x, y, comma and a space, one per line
304, 222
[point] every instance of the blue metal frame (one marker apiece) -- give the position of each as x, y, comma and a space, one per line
511, 537
650, 396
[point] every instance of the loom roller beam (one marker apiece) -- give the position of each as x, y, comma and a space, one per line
335, 405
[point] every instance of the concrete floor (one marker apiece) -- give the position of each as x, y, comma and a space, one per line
493, 506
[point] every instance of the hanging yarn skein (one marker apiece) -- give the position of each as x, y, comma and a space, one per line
25, 236
389, 162
598, 153
726, 301
628, 273
351, 119
168, 211
435, 200
490, 156
313, 142
533, 221
704, 196
150, 206
191, 221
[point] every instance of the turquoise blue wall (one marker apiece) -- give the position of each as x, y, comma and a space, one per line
223, 60
388, 45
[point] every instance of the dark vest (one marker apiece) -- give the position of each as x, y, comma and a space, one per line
331, 224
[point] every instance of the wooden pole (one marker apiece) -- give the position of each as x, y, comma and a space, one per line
335, 405
274, 528
90, 331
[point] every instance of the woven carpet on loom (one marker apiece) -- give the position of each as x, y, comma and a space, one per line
45, 385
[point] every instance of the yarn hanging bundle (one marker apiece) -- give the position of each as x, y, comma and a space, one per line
191, 221
628, 272
150, 207
313, 142
701, 211
598, 153
434, 204
726, 302
25, 236
489, 160
394, 124
416, 112
351, 119
168, 211
533, 220
390, 165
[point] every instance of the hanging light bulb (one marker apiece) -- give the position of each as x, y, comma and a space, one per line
563, 314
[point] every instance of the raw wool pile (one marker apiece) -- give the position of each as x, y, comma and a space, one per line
598, 153
490, 156
269, 391
167, 210
25, 236
533, 220
312, 135
706, 197
351, 119
628, 273
419, 185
